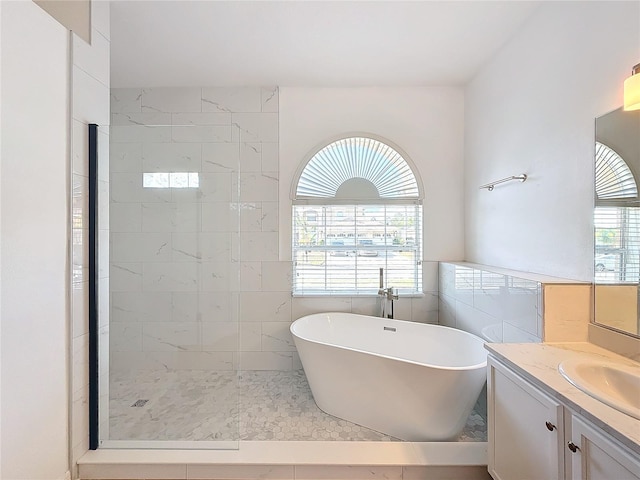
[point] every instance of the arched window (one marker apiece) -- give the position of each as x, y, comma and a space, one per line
616, 219
357, 207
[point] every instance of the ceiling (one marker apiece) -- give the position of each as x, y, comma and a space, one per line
158, 43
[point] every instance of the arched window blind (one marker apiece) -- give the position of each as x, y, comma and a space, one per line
336, 165
613, 176
356, 208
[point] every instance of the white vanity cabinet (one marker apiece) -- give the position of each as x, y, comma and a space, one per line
525, 428
592, 455
533, 436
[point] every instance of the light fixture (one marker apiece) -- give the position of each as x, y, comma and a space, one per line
632, 90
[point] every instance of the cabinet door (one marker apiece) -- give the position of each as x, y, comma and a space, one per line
598, 457
523, 423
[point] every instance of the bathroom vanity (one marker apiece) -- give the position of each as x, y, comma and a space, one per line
542, 427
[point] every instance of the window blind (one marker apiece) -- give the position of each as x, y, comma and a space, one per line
339, 249
357, 157
617, 244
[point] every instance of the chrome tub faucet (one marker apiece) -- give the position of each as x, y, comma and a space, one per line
387, 296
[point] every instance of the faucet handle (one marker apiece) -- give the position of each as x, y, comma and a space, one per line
391, 295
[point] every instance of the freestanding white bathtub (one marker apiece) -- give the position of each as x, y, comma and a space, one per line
413, 381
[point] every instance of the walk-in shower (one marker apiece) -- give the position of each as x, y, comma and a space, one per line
175, 217
194, 347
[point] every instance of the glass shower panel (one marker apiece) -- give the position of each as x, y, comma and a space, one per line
174, 286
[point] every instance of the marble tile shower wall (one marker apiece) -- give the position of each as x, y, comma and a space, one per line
160, 317
494, 306
186, 264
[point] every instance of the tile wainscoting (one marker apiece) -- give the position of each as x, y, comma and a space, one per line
507, 306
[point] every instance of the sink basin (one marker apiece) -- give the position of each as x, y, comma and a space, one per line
615, 384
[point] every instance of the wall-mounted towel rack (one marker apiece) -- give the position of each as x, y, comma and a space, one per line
489, 186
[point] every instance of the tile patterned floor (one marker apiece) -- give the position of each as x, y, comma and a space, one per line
247, 405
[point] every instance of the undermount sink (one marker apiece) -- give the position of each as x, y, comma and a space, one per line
615, 384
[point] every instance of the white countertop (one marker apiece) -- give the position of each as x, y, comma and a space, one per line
538, 363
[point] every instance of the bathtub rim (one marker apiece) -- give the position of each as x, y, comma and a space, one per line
473, 367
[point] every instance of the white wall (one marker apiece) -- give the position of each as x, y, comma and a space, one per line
531, 110
427, 123
33, 225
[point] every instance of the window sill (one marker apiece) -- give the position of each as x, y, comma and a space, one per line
349, 295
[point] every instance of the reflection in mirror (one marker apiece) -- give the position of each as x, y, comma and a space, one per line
617, 221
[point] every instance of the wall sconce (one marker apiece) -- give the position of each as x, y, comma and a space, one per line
632, 90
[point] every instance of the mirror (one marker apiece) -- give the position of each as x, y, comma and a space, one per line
617, 221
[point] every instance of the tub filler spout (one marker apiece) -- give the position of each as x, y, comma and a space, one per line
387, 296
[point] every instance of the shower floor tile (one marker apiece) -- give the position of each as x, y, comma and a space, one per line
229, 405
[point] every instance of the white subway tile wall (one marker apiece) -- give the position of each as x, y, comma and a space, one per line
494, 306
512, 307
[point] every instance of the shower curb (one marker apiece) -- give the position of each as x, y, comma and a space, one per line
293, 460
